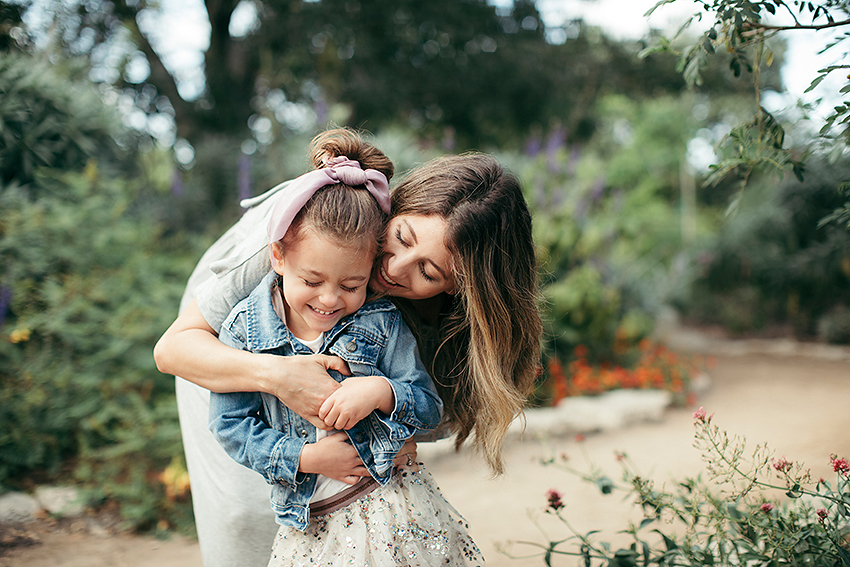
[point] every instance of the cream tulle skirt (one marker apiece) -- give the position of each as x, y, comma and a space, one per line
405, 523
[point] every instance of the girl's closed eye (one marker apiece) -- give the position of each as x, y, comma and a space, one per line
311, 284
350, 289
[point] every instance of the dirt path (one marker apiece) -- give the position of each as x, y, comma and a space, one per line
797, 405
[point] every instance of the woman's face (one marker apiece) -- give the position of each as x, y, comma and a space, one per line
415, 262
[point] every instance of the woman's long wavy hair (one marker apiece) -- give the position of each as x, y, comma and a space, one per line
488, 350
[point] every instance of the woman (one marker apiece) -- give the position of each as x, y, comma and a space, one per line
459, 257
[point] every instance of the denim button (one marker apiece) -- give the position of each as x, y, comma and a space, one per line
351, 347
303, 433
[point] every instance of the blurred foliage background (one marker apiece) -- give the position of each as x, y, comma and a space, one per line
117, 170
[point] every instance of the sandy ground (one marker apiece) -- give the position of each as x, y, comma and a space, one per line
797, 405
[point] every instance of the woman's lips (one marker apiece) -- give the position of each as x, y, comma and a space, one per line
387, 279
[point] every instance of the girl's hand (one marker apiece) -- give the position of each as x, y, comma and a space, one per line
355, 399
302, 383
334, 457
406, 457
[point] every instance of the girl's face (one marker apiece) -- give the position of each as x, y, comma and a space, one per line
415, 262
323, 281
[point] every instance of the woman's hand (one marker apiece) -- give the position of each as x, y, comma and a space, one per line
334, 457
190, 349
406, 457
302, 383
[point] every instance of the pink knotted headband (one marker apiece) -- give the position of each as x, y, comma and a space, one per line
338, 170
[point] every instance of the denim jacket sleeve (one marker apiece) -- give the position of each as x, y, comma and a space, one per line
237, 420
237, 424
417, 404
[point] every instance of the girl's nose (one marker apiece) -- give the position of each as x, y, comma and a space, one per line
329, 297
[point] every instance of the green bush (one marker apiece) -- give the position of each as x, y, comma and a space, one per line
92, 288
50, 116
608, 226
737, 518
771, 264
93, 269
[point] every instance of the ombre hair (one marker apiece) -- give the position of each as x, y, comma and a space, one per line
487, 353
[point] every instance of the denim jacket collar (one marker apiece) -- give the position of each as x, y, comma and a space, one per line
266, 331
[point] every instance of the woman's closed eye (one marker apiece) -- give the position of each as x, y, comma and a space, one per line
425, 274
406, 244
401, 240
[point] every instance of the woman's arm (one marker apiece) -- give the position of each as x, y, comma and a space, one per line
190, 349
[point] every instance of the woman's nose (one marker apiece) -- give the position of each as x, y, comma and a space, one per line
397, 265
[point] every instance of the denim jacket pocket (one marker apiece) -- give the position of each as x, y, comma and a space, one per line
356, 346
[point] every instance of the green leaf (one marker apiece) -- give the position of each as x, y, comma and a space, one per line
844, 555
817, 80
658, 5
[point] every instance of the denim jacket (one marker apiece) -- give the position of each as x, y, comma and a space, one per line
261, 433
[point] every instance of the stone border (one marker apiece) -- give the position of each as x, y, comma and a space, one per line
692, 340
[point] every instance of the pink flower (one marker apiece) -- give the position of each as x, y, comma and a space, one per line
822, 514
781, 465
766, 507
699, 415
619, 456
554, 499
841, 466
579, 438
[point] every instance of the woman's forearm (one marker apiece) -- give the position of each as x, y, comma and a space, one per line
190, 349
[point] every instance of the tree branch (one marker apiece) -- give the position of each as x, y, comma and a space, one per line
160, 77
797, 26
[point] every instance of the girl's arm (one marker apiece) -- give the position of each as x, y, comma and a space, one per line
404, 392
355, 399
190, 349
416, 403
235, 421
334, 457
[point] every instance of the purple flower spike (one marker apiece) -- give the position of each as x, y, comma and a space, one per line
5, 302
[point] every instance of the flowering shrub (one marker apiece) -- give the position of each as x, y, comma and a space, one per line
734, 520
649, 365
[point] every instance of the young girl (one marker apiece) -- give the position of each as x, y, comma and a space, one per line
324, 233
458, 254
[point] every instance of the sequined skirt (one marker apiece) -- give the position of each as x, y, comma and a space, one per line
406, 523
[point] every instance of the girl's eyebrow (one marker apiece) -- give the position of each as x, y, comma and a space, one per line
320, 275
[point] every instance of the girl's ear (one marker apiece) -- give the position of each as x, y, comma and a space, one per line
276, 256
